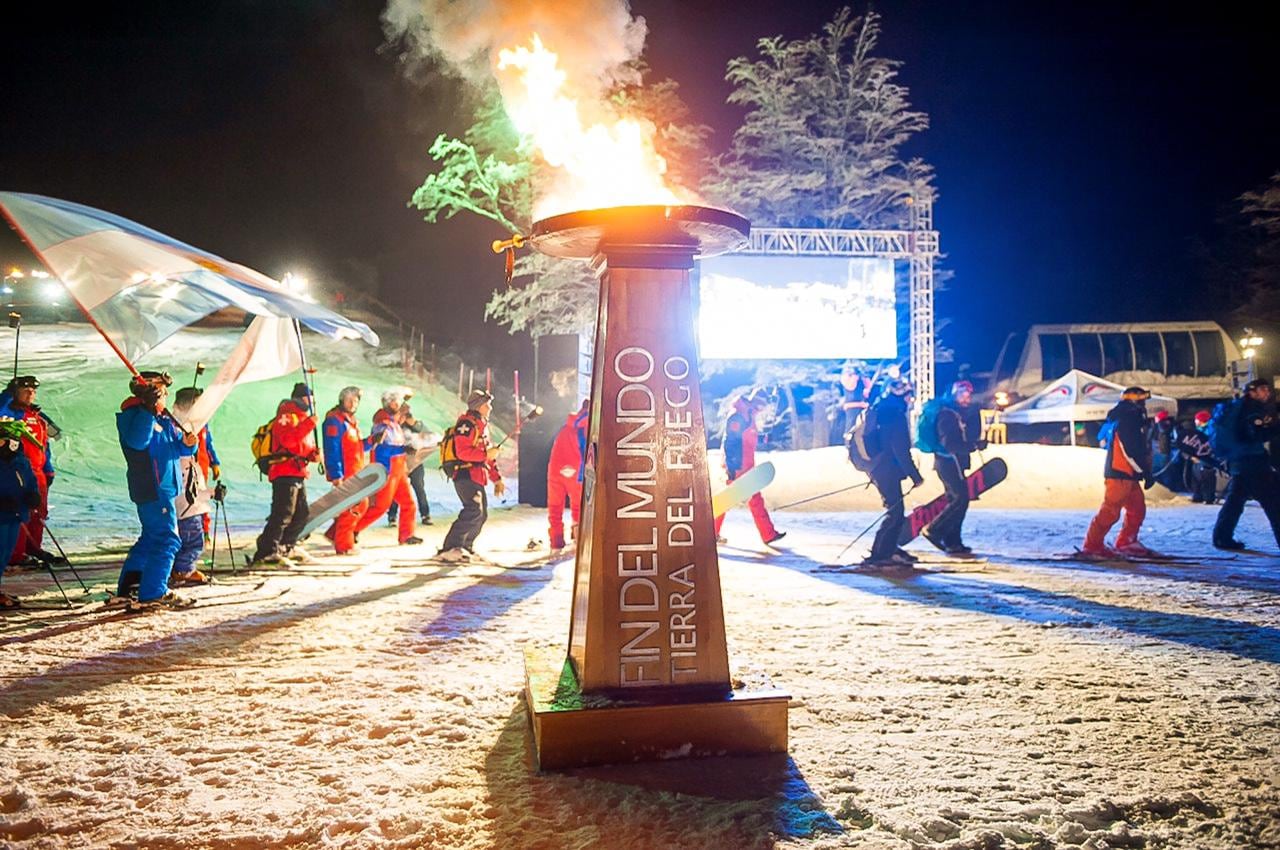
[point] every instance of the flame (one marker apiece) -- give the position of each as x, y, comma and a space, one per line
601, 163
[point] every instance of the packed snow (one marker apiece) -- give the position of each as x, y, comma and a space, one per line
1022, 702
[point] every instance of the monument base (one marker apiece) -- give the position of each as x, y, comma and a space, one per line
573, 729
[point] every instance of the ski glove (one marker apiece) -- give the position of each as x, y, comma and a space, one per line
499, 487
1148, 481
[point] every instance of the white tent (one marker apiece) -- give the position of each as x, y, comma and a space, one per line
1077, 397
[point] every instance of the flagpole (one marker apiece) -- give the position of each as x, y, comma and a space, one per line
13, 224
307, 378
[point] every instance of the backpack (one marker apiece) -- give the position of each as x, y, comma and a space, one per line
260, 446
863, 441
1224, 429
1106, 433
449, 463
927, 427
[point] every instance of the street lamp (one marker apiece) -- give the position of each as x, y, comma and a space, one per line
1249, 344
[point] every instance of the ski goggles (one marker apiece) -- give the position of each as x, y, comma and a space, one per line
25, 381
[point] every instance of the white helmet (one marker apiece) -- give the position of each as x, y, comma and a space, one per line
397, 394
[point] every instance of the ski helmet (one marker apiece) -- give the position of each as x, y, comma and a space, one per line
27, 381
153, 384
1135, 394
477, 398
396, 394
898, 386
961, 386
1203, 417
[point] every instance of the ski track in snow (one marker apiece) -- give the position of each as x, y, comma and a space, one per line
997, 705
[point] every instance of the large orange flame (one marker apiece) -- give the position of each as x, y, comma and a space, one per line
601, 163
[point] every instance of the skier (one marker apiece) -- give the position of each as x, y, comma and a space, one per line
564, 476
740, 436
418, 441
853, 397
1240, 431
389, 450
344, 456
942, 430
1127, 473
19, 492
1202, 467
19, 402
478, 465
152, 443
293, 436
193, 499
888, 433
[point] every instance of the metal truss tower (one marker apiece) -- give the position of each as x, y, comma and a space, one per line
918, 245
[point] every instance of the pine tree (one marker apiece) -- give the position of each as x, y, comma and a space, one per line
821, 142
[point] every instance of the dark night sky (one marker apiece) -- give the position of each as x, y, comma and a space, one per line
1081, 149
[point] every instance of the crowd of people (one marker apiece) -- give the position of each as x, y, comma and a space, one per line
173, 472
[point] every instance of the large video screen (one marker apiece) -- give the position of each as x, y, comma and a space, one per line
757, 306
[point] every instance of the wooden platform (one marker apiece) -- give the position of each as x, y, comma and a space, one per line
572, 729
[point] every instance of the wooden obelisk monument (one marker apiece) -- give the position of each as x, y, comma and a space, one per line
646, 675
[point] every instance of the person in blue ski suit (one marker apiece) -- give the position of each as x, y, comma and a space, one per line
19, 493
152, 444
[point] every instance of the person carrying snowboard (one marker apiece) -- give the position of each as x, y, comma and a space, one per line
293, 438
1127, 474
1240, 432
152, 443
477, 466
344, 456
889, 437
741, 434
19, 492
389, 450
1196, 448
564, 475
942, 431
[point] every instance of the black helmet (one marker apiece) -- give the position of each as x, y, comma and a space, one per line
17, 381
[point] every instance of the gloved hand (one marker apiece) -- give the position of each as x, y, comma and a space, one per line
48, 480
1148, 481
378, 436
499, 487
491, 453
188, 439
216, 471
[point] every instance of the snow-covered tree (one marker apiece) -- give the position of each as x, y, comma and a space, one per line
821, 142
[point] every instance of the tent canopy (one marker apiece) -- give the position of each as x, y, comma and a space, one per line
1077, 397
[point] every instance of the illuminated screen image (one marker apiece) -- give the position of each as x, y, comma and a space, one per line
754, 306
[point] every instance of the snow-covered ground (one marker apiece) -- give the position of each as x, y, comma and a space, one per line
1015, 703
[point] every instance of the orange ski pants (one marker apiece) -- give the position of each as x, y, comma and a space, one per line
1119, 495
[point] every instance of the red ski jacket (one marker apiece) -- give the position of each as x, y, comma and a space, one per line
566, 451
293, 432
740, 438
344, 449
471, 444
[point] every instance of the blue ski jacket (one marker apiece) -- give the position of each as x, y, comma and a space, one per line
151, 446
18, 489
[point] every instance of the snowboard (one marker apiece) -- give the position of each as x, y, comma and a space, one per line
978, 482
742, 488
358, 487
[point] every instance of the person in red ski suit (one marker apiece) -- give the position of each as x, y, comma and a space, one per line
478, 465
740, 436
293, 436
564, 475
19, 402
344, 456
389, 450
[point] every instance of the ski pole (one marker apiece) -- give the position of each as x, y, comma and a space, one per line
65, 559
875, 522
866, 483
226, 526
15, 322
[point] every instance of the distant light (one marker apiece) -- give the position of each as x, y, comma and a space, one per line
294, 282
39, 273
16, 274
1002, 399
138, 277
1250, 353
53, 291
6, 289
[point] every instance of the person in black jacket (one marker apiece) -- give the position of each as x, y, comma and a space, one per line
1256, 422
1127, 473
892, 463
950, 462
